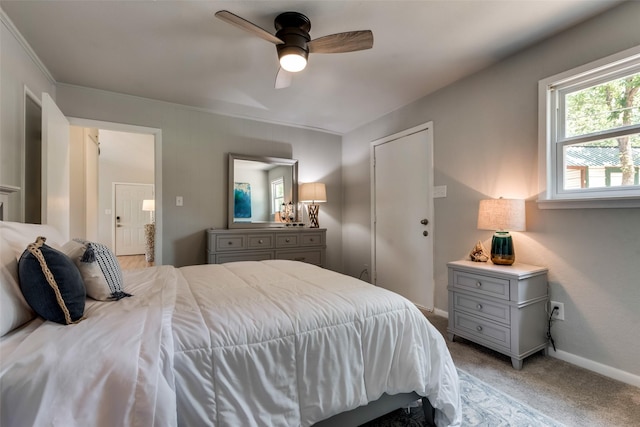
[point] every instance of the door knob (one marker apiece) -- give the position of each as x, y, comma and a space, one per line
424, 221
425, 233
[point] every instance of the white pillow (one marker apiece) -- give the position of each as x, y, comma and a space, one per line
99, 268
19, 235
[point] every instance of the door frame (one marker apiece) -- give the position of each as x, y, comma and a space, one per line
430, 173
157, 167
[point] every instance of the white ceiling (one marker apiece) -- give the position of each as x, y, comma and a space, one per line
177, 51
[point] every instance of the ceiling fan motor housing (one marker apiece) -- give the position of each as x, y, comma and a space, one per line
293, 29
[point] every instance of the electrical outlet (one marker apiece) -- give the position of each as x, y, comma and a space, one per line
559, 313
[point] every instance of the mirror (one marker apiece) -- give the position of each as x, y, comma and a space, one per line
258, 186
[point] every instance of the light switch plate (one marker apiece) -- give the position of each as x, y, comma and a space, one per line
179, 201
439, 191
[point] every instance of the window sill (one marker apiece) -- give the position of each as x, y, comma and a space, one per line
594, 203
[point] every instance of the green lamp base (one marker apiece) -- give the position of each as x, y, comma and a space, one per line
502, 251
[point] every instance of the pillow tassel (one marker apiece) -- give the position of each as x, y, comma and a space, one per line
89, 255
119, 295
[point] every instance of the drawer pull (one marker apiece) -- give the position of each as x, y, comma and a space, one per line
260, 241
311, 239
287, 240
479, 306
478, 284
479, 328
229, 243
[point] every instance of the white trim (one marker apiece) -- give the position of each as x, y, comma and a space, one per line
4, 18
607, 371
383, 140
157, 168
439, 312
556, 198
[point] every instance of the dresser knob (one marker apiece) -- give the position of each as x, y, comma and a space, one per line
287, 240
311, 239
260, 241
479, 306
479, 328
229, 243
478, 284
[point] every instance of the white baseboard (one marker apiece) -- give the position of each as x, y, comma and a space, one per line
590, 365
607, 371
442, 313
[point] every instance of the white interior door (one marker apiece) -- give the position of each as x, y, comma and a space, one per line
55, 167
402, 214
130, 218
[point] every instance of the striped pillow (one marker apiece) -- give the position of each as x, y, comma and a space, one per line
99, 268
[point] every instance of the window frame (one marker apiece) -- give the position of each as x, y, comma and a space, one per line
552, 141
274, 205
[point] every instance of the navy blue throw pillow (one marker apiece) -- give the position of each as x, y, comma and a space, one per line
51, 283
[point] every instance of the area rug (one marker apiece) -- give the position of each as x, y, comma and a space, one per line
482, 406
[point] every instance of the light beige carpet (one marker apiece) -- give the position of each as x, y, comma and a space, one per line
568, 394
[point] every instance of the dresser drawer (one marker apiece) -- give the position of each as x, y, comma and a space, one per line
312, 239
478, 283
263, 241
311, 256
230, 243
287, 241
482, 330
483, 308
244, 256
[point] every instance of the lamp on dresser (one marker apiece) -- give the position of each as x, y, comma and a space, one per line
313, 193
502, 215
149, 230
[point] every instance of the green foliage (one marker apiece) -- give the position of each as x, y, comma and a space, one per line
603, 107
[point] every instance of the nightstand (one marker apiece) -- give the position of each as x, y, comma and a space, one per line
500, 307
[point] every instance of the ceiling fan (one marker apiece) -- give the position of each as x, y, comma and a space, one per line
294, 44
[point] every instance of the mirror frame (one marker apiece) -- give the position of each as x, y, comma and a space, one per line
230, 189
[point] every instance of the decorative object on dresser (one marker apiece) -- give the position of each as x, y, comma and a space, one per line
297, 244
499, 307
257, 189
149, 230
313, 193
502, 216
479, 253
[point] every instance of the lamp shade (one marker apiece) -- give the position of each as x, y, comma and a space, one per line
502, 214
148, 205
312, 192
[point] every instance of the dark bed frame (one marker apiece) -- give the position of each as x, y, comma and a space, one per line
377, 408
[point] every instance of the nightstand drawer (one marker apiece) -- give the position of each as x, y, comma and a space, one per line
264, 241
478, 283
482, 330
230, 243
287, 241
481, 307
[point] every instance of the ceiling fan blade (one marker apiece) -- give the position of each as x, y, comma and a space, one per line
250, 27
350, 41
283, 79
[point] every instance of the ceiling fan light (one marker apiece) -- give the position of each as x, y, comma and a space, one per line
293, 62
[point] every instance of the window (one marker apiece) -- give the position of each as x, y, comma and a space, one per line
590, 134
277, 194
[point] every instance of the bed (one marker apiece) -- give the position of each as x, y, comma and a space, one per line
269, 343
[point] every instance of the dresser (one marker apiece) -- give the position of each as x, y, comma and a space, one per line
500, 307
298, 244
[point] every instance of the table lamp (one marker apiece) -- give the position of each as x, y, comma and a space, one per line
502, 216
313, 193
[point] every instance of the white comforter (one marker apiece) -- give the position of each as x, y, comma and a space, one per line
274, 343
112, 369
281, 343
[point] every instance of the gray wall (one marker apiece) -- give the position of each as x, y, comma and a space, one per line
195, 145
17, 70
485, 144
